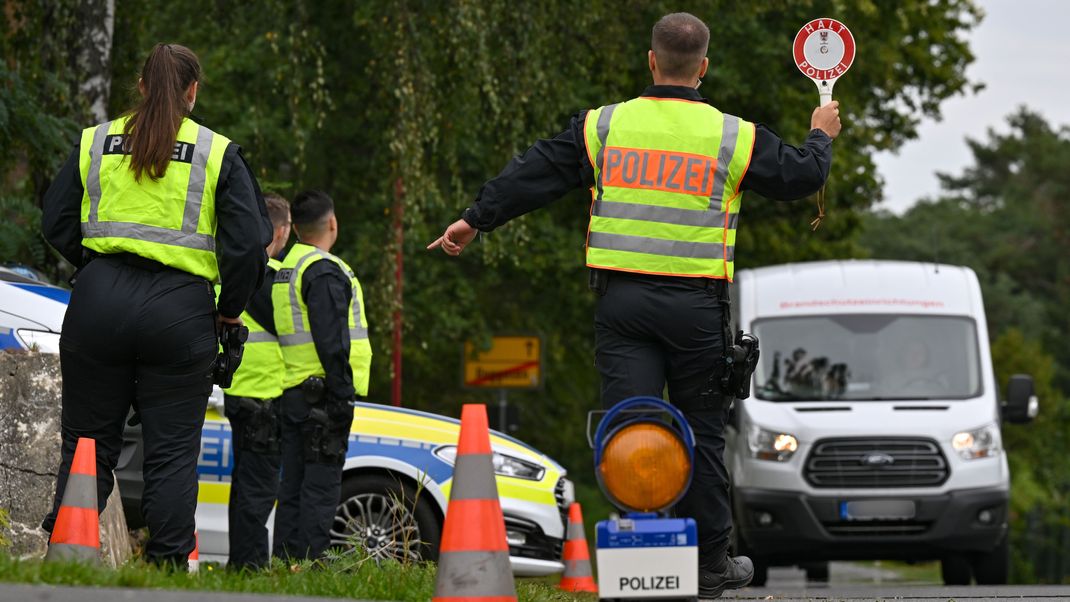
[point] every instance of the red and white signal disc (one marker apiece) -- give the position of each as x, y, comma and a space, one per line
824, 50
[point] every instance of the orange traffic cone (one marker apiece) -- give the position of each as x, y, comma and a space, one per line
473, 562
577, 577
76, 534
194, 560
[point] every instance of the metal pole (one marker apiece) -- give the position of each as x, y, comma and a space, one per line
399, 280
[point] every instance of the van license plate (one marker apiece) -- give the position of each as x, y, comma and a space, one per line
877, 510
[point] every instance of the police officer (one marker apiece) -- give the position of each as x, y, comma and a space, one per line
251, 405
666, 171
152, 207
323, 334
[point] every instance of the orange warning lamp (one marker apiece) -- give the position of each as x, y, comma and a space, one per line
644, 464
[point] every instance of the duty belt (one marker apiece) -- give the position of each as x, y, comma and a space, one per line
718, 286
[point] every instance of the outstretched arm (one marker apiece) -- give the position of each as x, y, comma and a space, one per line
542, 174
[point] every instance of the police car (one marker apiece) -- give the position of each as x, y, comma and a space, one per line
395, 488
31, 310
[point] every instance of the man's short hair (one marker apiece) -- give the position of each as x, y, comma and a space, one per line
278, 210
680, 42
310, 211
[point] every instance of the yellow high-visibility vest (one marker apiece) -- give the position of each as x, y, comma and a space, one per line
292, 326
666, 196
260, 374
171, 220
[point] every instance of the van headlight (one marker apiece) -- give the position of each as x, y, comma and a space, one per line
981, 442
39, 340
770, 445
504, 464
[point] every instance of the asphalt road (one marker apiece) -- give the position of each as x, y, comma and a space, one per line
850, 581
903, 593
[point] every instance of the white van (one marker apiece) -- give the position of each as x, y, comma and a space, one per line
873, 426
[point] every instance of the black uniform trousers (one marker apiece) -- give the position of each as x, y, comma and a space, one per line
139, 333
651, 331
309, 492
254, 484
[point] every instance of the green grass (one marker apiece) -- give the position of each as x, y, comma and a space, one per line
337, 578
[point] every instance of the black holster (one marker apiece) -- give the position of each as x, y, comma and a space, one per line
598, 281
327, 429
741, 359
260, 423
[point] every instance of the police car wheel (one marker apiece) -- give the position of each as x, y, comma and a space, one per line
384, 517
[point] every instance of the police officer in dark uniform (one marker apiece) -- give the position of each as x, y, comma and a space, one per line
323, 335
152, 207
251, 404
666, 172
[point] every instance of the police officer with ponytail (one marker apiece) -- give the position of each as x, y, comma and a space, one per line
666, 172
152, 208
323, 335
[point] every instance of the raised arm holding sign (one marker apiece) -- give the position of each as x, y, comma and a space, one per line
824, 49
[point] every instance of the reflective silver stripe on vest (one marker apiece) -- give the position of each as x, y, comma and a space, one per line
186, 237
297, 338
665, 215
656, 246
92, 180
295, 304
156, 234
304, 338
261, 336
603, 136
191, 215
729, 134
358, 331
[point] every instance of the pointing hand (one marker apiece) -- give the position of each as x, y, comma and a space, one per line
455, 238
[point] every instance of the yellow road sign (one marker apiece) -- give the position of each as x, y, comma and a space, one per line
512, 362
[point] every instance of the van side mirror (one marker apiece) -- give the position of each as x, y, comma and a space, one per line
1022, 405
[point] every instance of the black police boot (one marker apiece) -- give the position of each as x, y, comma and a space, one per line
735, 573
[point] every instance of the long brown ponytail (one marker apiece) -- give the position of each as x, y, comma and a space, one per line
153, 126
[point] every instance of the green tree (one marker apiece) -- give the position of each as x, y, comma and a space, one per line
436, 97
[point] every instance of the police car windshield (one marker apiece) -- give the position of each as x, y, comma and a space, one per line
867, 357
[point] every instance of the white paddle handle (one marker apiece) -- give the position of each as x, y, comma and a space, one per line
824, 90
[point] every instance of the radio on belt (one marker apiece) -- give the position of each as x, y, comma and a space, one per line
643, 454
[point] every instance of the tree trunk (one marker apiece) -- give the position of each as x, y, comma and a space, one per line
94, 57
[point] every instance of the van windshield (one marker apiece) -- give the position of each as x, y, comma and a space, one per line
867, 357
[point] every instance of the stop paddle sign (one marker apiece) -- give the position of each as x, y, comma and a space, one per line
824, 50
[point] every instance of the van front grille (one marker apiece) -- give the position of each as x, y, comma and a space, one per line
876, 529
877, 462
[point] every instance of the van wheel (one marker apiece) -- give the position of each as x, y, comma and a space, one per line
384, 517
993, 567
816, 572
955, 569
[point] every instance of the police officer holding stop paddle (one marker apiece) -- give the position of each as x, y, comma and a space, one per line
666, 171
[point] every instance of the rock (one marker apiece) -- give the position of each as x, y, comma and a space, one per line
30, 389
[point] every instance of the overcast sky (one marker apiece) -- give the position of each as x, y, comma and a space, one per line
1023, 56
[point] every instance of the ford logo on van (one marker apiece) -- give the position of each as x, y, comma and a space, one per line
877, 460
